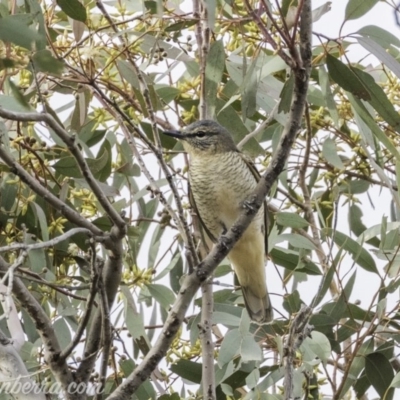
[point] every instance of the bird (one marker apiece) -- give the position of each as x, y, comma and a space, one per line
221, 179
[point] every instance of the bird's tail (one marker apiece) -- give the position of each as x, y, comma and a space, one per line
259, 308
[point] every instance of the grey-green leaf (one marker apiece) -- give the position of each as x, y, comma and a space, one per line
214, 70
380, 373
45, 62
291, 220
74, 9
357, 8
14, 29
329, 151
163, 295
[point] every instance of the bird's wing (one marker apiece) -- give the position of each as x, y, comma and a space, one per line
257, 175
203, 225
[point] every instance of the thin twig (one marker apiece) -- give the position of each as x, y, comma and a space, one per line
43, 245
260, 128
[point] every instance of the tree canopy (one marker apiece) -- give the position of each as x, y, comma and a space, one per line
100, 252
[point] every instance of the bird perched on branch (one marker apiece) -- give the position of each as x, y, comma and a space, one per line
221, 180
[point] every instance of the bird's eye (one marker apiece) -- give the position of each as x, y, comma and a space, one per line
200, 134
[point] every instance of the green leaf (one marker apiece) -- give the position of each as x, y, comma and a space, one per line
296, 240
357, 8
8, 194
229, 347
249, 91
67, 166
379, 100
101, 167
167, 93
396, 381
381, 54
41, 218
318, 12
380, 373
89, 136
63, 332
225, 318
214, 70
74, 9
360, 109
291, 220
292, 302
250, 350
18, 95
327, 93
230, 119
346, 78
15, 29
290, 260
45, 62
357, 365
329, 151
162, 294
286, 95
379, 35
134, 321
180, 25
346, 330
187, 370
319, 345
358, 253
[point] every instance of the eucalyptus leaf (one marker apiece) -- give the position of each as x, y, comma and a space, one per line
357, 8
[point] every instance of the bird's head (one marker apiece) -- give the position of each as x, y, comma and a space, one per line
204, 137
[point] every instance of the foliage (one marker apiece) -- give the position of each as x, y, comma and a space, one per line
108, 73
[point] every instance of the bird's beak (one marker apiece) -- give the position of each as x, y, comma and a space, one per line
175, 134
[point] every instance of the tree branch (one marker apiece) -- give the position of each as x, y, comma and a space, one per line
43, 245
111, 277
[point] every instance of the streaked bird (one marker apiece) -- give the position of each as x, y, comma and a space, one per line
221, 179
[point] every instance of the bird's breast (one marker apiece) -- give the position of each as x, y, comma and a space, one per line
220, 183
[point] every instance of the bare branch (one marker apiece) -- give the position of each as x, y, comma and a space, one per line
43, 245
111, 276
